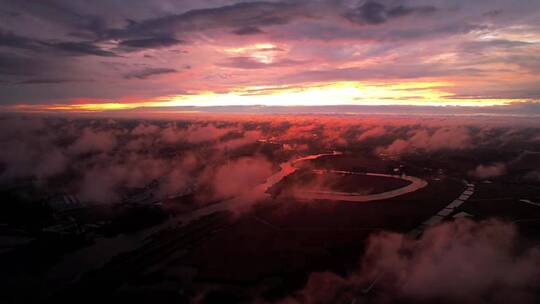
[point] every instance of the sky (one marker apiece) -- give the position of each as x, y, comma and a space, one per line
77, 55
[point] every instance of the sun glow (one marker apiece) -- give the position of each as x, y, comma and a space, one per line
261, 52
340, 93
88, 107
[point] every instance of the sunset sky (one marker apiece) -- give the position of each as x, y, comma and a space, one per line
79, 55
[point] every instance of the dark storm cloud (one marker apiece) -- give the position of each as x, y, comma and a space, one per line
61, 13
402, 10
370, 12
247, 14
381, 33
12, 40
155, 42
149, 72
11, 64
79, 48
49, 81
9, 13
373, 12
248, 30
17, 68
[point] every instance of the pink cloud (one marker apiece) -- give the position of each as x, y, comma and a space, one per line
456, 262
239, 176
488, 171
93, 141
452, 138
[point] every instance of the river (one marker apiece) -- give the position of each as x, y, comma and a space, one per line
92, 257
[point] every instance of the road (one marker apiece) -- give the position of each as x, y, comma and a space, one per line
445, 212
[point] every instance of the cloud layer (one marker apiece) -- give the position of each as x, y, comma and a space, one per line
456, 262
226, 156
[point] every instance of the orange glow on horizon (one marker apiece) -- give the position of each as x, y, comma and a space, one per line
340, 93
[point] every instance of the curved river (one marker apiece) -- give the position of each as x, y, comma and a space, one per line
75, 264
415, 184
